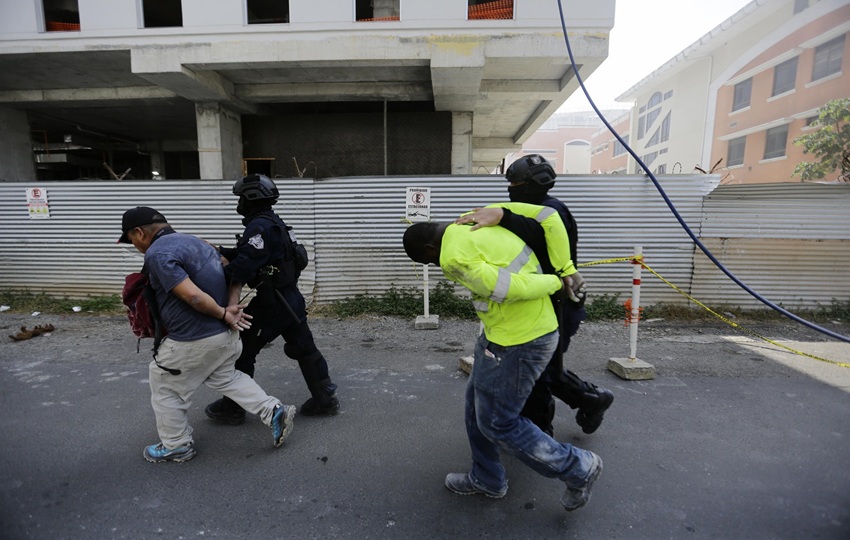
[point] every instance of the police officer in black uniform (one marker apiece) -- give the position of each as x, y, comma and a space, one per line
267, 258
531, 177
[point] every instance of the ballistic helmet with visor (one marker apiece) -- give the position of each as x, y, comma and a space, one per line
532, 168
256, 187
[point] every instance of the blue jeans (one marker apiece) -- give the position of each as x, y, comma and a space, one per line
501, 380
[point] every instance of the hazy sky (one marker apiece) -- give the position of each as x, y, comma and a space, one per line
646, 34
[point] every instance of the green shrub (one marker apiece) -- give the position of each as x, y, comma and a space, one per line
397, 302
605, 308
26, 301
446, 303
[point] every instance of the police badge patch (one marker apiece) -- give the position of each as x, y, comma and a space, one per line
256, 241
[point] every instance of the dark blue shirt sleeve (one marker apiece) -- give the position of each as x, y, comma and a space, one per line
251, 253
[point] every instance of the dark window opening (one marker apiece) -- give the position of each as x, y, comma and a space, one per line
828, 58
483, 9
619, 148
265, 166
743, 91
784, 76
61, 16
775, 142
735, 152
655, 139
162, 13
654, 100
268, 11
665, 127
376, 10
182, 165
647, 160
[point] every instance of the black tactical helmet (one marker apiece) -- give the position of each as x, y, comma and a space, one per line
256, 187
531, 168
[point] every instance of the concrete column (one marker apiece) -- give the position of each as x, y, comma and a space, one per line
461, 143
158, 160
219, 142
17, 164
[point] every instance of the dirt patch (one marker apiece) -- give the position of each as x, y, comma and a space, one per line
675, 349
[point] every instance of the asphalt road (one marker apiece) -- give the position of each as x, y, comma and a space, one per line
732, 439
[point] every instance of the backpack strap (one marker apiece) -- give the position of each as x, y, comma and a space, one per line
159, 328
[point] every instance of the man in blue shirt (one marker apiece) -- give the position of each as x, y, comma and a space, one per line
203, 335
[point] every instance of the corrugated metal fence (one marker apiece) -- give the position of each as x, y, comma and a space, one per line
789, 242
353, 227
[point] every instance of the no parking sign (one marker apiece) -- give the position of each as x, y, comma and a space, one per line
37, 203
418, 204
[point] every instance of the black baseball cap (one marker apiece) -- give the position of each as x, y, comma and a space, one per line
138, 217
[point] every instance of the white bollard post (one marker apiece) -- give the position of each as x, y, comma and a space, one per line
631, 368
426, 321
425, 289
635, 315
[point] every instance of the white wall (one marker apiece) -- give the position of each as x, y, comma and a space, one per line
19, 19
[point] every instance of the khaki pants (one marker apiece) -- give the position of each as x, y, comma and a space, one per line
206, 361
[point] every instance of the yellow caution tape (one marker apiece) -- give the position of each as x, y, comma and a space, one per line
607, 261
718, 315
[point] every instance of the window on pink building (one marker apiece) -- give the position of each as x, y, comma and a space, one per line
735, 152
784, 76
828, 58
743, 91
775, 142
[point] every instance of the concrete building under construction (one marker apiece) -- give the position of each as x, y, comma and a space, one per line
209, 89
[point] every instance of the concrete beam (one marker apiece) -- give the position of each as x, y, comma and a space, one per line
354, 91
85, 94
163, 68
457, 69
502, 87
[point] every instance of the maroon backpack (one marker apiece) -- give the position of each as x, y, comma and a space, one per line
142, 309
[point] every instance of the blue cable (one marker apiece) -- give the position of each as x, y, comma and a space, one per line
681, 221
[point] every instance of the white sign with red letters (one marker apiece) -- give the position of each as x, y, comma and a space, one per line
37, 203
418, 204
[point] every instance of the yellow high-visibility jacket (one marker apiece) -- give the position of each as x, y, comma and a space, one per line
510, 294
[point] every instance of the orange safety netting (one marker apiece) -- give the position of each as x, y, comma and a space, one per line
630, 318
62, 27
499, 9
390, 18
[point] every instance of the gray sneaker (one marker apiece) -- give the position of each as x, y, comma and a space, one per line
158, 453
282, 422
576, 497
462, 484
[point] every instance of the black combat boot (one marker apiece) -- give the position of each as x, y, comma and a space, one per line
540, 407
323, 402
590, 400
226, 411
